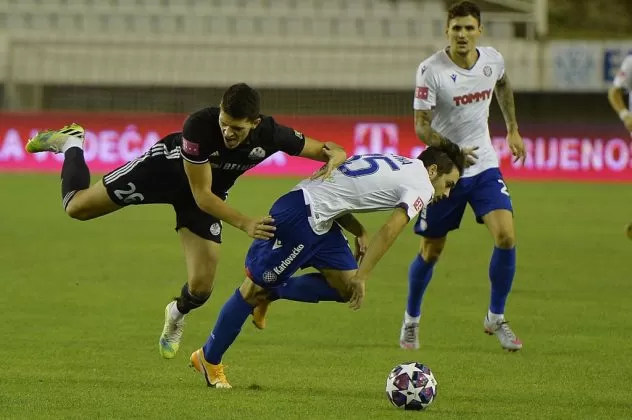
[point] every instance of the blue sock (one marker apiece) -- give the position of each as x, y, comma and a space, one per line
310, 288
229, 322
502, 269
419, 275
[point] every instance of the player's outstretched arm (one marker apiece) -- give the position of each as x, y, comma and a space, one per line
380, 243
328, 152
200, 180
505, 98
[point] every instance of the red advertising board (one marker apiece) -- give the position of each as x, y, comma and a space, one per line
554, 152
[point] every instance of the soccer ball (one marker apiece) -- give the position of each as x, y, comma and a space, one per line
411, 386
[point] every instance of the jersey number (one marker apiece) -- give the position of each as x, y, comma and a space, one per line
503, 189
129, 196
372, 165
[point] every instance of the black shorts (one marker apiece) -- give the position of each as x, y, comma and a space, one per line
158, 177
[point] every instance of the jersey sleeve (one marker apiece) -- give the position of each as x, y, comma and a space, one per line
623, 79
425, 89
501, 66
195, 140
413, 200
288, 140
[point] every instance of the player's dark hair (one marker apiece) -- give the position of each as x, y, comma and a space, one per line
463, 9
241, 101
445, 161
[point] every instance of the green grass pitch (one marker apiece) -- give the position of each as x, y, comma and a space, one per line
82, 308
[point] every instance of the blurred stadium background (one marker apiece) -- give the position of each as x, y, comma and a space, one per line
82, 304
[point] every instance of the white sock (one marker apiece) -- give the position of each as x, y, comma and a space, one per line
495, 317
72, 141
411, 319
174, 313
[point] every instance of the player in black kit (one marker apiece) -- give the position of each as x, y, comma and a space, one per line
192, 170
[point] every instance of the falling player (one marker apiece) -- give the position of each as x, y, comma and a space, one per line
623, 82
309, 220
452, 97
192, 170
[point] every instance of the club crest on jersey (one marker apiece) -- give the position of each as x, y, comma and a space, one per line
487, 71
453, 77
215, 229
257, 153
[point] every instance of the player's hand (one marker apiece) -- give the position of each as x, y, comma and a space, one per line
516, 145
361, 245
627, 121
470, 155
261, 228
357, 288
336, 156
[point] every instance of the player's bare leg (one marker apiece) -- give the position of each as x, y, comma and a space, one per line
202, 257
337, 279
501, 272
429, 252
91, 203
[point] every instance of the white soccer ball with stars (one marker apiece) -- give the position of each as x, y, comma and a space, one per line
411, 386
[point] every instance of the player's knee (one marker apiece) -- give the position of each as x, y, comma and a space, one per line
431, 249
504, 239
252, 293
201, 282
201, 288
78, 211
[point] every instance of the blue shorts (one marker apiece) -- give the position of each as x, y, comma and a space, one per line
485, 192
295, 245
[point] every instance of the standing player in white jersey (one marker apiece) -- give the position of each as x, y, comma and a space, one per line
623, 82
452, 97
308, 233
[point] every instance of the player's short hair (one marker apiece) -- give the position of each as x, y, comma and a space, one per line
463, 9
446, 162
241, 101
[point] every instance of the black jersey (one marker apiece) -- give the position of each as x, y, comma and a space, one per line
201, 141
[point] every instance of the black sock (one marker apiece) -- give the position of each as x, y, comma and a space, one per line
186, 302
75, 175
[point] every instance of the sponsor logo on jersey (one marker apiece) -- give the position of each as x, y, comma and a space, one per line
487, 71
421, 92
277, 244
288, 261
299, 134
257, 153
423, 70
472, 97
453, 77
190, 148
215, 153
